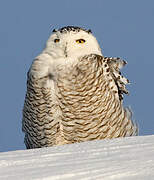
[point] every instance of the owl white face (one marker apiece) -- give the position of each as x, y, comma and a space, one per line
72, 44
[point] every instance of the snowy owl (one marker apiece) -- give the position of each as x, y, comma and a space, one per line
74, 93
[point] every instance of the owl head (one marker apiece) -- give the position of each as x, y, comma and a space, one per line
72, 42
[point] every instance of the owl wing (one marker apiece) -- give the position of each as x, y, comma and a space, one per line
111, 70
114, 85
39, 121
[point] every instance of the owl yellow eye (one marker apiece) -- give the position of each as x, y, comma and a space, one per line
56, 40
80, 41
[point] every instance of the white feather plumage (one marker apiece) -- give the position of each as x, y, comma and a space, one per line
74, 94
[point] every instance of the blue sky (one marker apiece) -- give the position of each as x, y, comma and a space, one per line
123, 28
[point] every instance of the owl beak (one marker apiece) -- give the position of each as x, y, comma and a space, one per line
65, 50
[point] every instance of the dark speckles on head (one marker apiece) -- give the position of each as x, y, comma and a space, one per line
71, 28
89, 31
54, 30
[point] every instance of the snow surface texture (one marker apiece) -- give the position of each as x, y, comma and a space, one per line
117, 159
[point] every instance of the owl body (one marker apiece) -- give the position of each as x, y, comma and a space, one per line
74, 94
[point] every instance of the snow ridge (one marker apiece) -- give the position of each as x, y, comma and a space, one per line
129, 158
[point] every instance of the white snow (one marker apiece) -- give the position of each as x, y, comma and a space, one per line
118, 159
